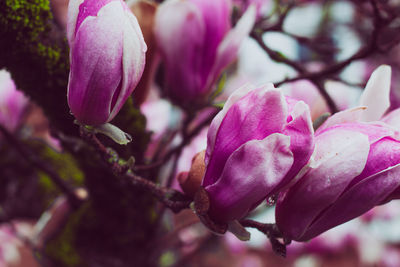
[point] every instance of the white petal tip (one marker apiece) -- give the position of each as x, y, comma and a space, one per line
238, 230
115, 133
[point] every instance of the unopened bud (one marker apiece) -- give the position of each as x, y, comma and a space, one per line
190, 181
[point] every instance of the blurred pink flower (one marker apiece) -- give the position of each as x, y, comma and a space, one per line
12, 102
13, 251
196, 42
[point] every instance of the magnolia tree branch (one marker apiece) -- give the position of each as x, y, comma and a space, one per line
380, 23
186, 140
298, 67
173, 199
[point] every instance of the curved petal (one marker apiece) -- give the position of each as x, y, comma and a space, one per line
339, 156
216, 17
73, 10
345, 116
250, 174
229, 47
133, 61
216, 122
374, 130
376, 94
383, 154
90, 8
96, 65
255, 116
357, 200
301, 133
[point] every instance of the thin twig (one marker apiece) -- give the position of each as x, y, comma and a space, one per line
298, 67
319, 77
367, 50
179, 148
271, 231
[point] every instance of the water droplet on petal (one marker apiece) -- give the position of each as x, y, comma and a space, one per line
272, 200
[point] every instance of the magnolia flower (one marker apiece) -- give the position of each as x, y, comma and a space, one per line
255, 147
107, 58
355, 167
196, 42
12, 102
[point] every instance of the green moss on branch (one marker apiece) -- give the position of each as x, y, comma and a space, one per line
37, 56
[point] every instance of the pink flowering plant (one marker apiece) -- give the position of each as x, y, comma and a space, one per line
250, 160
165, 133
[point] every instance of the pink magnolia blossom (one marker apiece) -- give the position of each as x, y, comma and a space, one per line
355, 167
255, 146
107, 58
12, 102
196, 42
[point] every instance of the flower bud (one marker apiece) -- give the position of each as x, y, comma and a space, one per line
191, 181
196, 42
107, 57
256, 145
355, 167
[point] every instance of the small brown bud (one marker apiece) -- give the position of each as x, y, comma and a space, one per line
201, 201
190, 182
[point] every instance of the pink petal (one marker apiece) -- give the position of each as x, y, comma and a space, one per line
345, 116
250, 174
216, 122
357, 200
133, 60
229, 47
374, 130
383, 154
301, 134
89, 8
216, 17
255, 116
180, 32
96, 66
339, 156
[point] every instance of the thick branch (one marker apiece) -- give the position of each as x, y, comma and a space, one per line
171, 198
